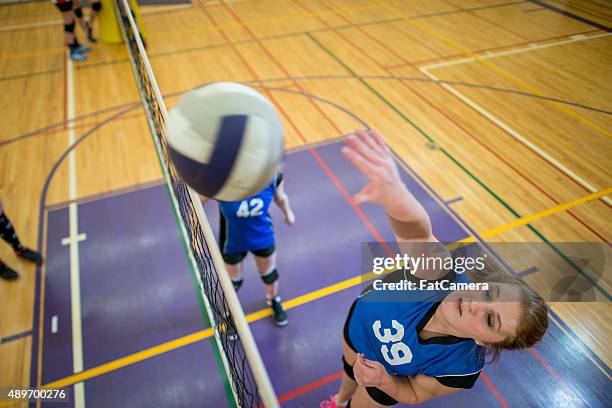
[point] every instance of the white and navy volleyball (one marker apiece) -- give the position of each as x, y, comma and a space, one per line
225, 140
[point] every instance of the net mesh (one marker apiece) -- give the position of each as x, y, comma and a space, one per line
240, 375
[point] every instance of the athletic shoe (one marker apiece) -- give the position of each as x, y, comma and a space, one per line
28, 254
75, 55
7, 273
81, 48
280, 316
331, 403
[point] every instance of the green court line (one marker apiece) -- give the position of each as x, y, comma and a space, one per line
461, 166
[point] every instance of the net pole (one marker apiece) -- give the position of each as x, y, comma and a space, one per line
264, 385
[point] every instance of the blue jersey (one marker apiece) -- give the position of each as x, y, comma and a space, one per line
248, 225
387, 331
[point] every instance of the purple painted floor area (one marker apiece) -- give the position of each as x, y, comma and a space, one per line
56, 352
137, 292
326, 225
185, 377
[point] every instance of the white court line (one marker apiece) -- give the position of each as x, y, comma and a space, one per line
73, 241
31, 25
503, 125
531, 47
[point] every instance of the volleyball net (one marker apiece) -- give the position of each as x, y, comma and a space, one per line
241, 360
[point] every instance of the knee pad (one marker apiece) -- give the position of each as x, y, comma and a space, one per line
69, 28
270, 277
348, 369
237, 283
97, 6
78, 12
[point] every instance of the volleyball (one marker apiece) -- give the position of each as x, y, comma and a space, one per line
225, 139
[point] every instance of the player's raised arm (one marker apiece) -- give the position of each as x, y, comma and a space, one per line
369, 153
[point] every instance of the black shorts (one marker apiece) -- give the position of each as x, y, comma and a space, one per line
67, 6
376, 394
233, 259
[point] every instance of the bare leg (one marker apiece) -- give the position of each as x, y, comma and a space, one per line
235, 271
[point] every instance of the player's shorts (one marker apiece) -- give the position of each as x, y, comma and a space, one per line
233, 259
66, 6
376, 394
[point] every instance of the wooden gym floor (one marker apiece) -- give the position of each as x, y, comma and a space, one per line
502, 107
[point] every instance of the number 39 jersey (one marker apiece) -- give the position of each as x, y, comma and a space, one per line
388, 332
248, 224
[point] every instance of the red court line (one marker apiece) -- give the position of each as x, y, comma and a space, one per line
65, 89
487, 20
305, 389
494, 391
553, 373
501, 47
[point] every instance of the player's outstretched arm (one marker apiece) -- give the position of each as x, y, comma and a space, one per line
369, 153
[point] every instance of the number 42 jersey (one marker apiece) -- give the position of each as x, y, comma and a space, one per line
248, 225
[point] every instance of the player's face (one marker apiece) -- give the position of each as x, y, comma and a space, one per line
489, 316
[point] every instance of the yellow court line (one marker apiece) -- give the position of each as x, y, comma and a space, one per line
493, 67
264, 21
530, 218
290, 304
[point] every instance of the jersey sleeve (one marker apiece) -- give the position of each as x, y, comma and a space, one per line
279, 179
466, 381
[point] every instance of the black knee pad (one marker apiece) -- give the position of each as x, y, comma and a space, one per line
270, 278
237, 283
97, 6
381, 397
69, 28
78, 12
348, 369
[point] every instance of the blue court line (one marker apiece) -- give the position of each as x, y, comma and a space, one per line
527, 271
17, 336
571, 15
453, 200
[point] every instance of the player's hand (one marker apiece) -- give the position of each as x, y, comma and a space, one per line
289, 217
369, 373
369, 153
